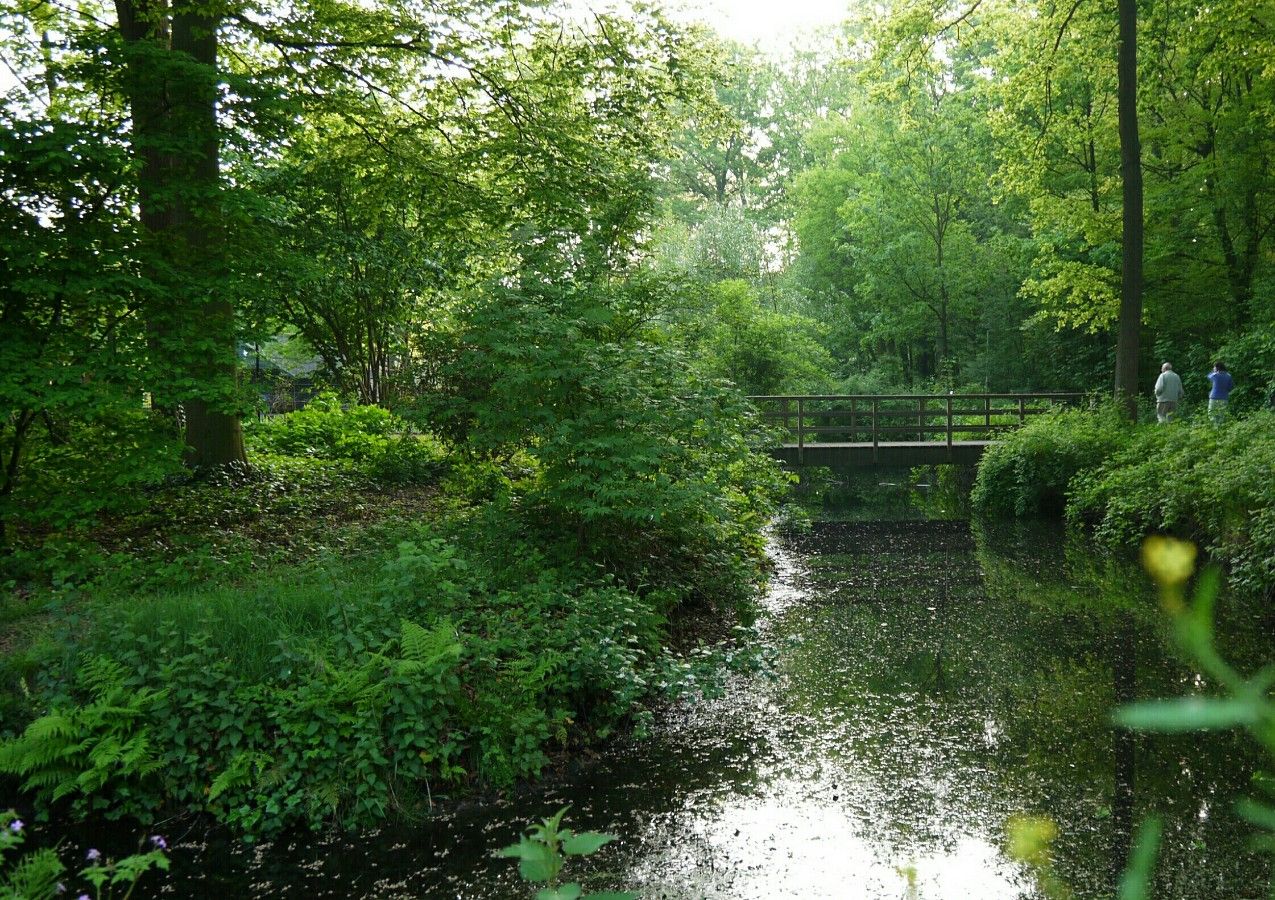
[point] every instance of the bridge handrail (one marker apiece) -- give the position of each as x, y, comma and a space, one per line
1061, 395
866, 415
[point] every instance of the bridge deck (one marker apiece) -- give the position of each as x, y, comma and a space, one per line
884, 453
825, 427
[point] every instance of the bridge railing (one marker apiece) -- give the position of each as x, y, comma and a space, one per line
902, 418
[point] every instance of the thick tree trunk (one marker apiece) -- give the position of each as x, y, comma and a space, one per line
1126, 382
190, 323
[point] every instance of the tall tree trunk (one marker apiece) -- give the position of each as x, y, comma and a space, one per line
190, 322
1126, 383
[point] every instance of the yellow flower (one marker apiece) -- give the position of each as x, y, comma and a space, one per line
1030, 838
1169, 561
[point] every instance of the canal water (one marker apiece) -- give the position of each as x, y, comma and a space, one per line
932, 682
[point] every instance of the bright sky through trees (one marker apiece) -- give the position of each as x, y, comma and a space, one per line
772, 25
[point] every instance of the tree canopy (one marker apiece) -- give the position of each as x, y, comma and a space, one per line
930, 198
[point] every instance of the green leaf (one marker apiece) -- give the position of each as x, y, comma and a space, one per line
1189, 714
585, 843
1259, 814
1135, 884
564, 892
536, 860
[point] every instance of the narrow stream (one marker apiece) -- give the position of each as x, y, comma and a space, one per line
932, 681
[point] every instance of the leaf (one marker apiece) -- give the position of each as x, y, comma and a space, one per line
564, 892
1135, 884
585, 843
536, 860
1189, 714
1259, 814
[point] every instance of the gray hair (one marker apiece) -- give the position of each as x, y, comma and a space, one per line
1167, 367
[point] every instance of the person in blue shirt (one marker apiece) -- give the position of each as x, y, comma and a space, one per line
1221, 392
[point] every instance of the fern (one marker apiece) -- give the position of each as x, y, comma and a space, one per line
36, 874
245, 769
424, 649
79, 751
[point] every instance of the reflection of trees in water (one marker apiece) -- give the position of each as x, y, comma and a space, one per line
1124, 680
976, 697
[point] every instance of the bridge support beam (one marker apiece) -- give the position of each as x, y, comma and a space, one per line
867, 456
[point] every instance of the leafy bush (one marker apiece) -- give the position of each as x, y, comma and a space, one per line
381, 444
469, 657
1252, 359
1212, 485
1029, 471
600, 484
76, 750
649, 466
763, 351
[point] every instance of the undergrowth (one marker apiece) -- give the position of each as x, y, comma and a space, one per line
1210, 484
458, 647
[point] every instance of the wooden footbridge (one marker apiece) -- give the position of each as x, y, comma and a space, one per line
865, 430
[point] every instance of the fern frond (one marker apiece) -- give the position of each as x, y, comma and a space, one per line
429, 647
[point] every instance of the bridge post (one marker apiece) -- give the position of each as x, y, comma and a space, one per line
801, 431
949, 422
1022, 410
876, 453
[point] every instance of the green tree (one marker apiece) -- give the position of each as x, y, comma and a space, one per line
1132, 237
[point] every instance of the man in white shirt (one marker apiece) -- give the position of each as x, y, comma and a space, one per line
1168, 393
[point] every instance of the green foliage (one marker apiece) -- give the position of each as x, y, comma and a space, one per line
1211, 485
41, 875
34, 876
468, 657
75, 467
1253, 356
96, 753
543, 851
379, 443
764, 351
633, 451
1030, 470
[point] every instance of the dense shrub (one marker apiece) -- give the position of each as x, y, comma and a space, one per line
1028, 472
642, 462
1215, 486
597, 484
380, 444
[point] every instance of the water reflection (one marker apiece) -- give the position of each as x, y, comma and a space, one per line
933, 680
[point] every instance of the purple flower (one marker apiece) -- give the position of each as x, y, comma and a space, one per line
16, 826
93, 855
84, 897
158, 842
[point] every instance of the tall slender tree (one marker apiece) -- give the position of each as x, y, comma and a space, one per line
1127, 340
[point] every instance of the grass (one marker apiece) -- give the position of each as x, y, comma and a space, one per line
245, 622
